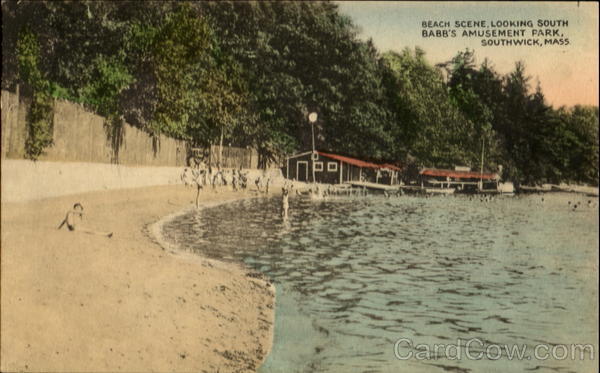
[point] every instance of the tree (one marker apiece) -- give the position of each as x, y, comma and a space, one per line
248, 73
39, 117
436, 131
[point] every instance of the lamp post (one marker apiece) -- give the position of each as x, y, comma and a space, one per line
312, 118
481, 172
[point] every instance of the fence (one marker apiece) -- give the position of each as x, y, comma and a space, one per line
80, 136
232, 157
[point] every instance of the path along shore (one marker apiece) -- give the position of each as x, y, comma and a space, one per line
77, 302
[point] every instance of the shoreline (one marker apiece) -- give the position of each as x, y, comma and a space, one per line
155, 231
587, 190
78, 302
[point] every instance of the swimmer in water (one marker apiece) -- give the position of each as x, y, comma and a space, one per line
75, 216
285, 204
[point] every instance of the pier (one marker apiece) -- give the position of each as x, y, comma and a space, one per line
374, 186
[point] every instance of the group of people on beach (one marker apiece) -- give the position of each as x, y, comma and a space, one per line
202, 176
263, 182
236, 178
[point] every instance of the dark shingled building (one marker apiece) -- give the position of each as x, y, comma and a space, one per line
336, 169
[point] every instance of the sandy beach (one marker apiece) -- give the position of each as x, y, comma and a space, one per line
74, 302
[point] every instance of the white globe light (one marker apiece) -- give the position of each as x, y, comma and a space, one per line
312, 117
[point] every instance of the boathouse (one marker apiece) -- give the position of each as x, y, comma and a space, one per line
332, 168
461, 179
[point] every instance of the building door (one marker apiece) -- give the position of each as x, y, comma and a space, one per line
302, 170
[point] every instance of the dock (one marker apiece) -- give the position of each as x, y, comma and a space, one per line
374, 186
440, 190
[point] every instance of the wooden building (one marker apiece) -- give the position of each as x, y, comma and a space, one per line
329, 168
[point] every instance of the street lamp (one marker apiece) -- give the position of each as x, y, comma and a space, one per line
312, 118
481, 172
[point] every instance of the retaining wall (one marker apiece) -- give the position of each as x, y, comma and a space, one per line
27, 180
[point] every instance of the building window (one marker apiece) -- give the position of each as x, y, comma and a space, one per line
332, 166
318, 166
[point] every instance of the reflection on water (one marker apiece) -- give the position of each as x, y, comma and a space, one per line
354, 275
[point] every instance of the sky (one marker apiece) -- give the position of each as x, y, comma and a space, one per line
568, 74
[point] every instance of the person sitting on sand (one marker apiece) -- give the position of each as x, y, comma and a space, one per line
75, 216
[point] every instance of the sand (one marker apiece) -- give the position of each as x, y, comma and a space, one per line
79, 303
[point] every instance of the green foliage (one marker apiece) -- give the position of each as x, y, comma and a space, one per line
109, 78
534, 142
29, 60
115, 131
302, 57
574, 141
248, 73
40, 115
436, 131
39, 121
188, 88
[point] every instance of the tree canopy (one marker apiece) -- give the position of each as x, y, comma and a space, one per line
248, 73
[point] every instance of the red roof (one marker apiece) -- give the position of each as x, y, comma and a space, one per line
458, 174
390, 167
352, 161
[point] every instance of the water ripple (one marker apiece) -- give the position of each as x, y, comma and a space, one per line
354, 275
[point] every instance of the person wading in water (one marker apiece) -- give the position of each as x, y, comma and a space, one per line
285, 203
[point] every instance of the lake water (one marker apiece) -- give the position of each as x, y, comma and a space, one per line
369, 284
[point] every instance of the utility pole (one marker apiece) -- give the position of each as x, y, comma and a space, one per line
312, 118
